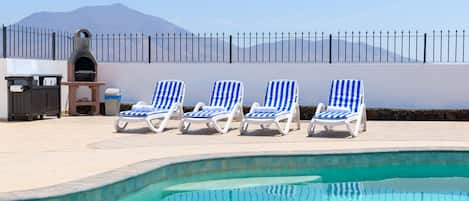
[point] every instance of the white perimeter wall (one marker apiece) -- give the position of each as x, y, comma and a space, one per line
415, 86
407, 86
3, 90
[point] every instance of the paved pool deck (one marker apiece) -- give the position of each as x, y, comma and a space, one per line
43, 153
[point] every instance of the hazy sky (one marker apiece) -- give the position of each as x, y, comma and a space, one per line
276, 15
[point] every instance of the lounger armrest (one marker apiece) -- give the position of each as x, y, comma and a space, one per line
198, 106
254, 106
321, 108
237, 107
294, 106
175, 106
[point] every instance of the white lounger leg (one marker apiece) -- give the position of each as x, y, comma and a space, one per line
364, 118
361, 121
162, 125
184, 126
243, 127
118, 126
293, 117
237, 110
225, 128
312, 125
286, 129
311, 128
150, 125
297, 117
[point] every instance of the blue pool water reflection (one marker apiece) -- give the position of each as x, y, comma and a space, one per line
387, 176
396, 189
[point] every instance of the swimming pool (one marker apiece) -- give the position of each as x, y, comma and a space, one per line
409, 175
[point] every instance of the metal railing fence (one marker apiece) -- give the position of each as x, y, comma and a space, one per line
440, 46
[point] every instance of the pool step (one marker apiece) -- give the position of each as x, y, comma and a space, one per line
242, 183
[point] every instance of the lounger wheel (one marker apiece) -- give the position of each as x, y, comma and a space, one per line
119, 127
184, 127
210, 125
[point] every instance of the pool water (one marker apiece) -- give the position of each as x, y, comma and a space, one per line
409, 182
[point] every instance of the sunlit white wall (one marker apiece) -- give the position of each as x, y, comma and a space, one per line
407, 86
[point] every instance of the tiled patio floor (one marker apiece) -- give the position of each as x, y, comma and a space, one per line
43, 153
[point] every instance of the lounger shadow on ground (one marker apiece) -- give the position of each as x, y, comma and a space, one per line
331, 134
142, 130
25, 120
262, 133
205, 131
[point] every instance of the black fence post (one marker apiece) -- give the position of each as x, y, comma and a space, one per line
231, 49
149, 49
330, 48
53, 45
425, 48
4, 33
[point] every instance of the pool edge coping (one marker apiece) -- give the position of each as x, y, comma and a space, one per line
141, 167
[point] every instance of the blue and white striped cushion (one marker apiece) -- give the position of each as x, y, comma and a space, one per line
166, 93
204, 113
130, 113
267, 115
280, 94
334, 115
346, 93
225, 94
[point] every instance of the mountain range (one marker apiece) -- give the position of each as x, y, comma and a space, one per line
114, 18
117, 18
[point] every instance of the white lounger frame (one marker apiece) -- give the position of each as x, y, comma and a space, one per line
358, 119
175, 111
291, 117
235, 112
355, 124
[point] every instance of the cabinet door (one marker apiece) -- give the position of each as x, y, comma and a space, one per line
38, 104
52, 100
20, 103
